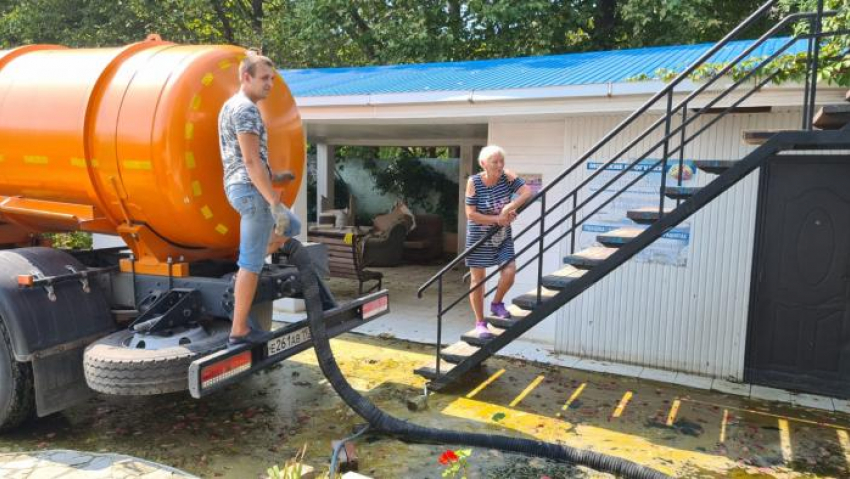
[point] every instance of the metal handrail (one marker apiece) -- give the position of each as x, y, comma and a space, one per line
668, 89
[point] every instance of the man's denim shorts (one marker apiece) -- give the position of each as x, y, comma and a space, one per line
255, 226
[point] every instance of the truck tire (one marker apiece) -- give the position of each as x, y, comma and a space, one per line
112, 368
17, 394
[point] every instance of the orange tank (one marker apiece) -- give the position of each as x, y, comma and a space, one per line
125, 141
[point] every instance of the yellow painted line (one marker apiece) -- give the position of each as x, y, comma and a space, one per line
207, 212
527, 390
196, 188
94, 163
671, 418
622, 406
486, 383
78, 162
190, 160
785, 440
196, 103
844, 440
36, 160
225, 64
207, 79
221, 228
572, 398
767, 414
723, 426
137, 164
190, 130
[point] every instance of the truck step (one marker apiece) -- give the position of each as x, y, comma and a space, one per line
472, 338
561, 278
832, 117
646, 215
459, 351
528, 301
590, 257
429, 369
715, 167
680, 192
517, 315
618, 237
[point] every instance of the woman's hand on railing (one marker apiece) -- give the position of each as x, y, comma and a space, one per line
506, 217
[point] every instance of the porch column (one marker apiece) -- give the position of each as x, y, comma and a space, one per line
464, 171
324, 177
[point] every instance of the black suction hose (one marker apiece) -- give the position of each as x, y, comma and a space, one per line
383, 422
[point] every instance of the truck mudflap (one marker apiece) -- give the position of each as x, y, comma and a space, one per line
217, 370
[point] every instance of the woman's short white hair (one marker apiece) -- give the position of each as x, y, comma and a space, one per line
490, 151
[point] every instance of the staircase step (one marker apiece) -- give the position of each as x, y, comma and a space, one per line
472, 338
759, 137
429, 369
561, 278
528, 301
459, 351
832, 117
590, 257
618, 237
517, 315
715, 167
647, 215
680, 192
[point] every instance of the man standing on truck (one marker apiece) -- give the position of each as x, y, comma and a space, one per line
248, 185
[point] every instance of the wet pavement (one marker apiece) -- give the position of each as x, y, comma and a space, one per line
63, 464
245, 429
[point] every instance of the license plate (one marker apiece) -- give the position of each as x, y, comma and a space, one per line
288, 341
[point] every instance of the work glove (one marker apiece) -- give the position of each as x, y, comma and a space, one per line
281, 218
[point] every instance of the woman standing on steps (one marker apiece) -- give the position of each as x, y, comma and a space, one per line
489, 204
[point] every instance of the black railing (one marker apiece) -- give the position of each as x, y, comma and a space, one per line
670, 134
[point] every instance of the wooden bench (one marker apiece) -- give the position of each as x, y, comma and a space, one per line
345, 255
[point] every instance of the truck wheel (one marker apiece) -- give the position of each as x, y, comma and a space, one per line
17, 395
111, 367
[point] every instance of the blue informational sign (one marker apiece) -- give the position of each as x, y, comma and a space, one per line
672, 248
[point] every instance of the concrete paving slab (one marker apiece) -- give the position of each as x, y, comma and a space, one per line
729, 387
693, 381
770, 394
813, 401
608, 367
658, 375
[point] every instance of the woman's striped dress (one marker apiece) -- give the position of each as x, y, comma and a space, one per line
490, 200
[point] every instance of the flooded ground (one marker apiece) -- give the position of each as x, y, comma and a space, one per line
243, 430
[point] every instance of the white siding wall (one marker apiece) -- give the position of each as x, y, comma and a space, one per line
690, 319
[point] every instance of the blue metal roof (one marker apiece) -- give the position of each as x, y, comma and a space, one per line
510, 73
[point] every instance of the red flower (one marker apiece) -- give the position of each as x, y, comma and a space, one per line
447, 457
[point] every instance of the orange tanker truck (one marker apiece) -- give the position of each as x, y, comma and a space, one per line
124, 141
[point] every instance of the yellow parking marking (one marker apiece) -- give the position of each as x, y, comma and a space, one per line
224, 64
196, 188
671, 418
767, 414
486, 383
190, 130
572, 398
94, 163
207, 79
785, 440
36, 160
622, 406
844, 440
526, 391
137, 165
221, 228
190, 160
78, 162
207, 212
196, 103
723, 426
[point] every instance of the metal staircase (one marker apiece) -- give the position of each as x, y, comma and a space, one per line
669, 135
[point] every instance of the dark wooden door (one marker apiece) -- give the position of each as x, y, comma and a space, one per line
799, 334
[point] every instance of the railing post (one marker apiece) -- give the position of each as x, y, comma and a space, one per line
573, 233
439, 323
667, 122
815, 52
540, 241
682, 148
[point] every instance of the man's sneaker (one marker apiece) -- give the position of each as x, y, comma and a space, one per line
482, 331
498, 310
254, 337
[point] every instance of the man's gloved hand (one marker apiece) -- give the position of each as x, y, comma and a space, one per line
281, 218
